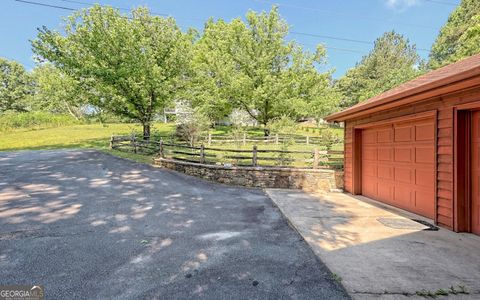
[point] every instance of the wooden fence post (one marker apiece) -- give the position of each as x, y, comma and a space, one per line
276, 138
254, 156
316, 158
134, 144
244, 138
202, 154
162, 154
308, 140
112, 140
209, 139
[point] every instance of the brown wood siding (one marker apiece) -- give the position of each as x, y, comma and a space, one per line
445, 140
348, 164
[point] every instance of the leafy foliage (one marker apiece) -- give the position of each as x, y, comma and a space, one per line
133, 62
391, 62
459, 37
15, 86
283, 125
57, 92
326, 101
330, 138
250, 66
36, 119
191, 124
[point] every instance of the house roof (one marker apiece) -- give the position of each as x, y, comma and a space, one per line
450, 74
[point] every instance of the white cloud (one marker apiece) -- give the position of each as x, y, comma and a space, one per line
401, 4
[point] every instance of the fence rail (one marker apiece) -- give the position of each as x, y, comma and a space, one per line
244, 139
273, 139
231, 157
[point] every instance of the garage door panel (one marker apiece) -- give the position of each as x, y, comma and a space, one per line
385, 190
403, 196
384, 135
425, 178
424, 155
404, 134
423, 205
369, 153
385, 172
369, 170
404, 175
403, 154
369, 137
369, 188
398, 165
425, 132
385, 154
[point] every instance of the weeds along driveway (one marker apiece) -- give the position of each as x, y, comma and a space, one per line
89, 225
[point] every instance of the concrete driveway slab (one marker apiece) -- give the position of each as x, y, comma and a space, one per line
88, 225
378, 251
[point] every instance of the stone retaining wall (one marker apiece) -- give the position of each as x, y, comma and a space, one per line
262, 177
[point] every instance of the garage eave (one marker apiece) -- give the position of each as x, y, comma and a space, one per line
461, 75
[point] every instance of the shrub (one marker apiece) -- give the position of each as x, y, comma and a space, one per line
38, 119
330, 138
284, 125
191, 124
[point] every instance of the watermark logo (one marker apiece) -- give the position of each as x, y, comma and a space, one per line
22, 292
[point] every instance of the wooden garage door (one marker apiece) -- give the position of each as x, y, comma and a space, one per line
398, 165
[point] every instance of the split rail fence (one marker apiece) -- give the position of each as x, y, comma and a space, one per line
273, 139
254, 157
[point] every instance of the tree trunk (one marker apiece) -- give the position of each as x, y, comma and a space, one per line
70, 111
266, 131
146, 131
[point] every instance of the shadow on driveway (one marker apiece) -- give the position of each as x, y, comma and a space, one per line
89, 225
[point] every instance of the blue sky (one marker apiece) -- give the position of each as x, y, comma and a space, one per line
311, 22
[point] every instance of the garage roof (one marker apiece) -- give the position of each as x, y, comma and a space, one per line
450, 74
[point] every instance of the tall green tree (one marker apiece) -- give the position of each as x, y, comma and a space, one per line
15, 86
325, 102
136, 62
57, 92
392, 61
250, 65
459, 37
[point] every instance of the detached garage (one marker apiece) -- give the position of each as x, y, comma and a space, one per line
417, 146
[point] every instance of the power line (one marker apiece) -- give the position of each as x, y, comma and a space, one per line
46, 5
341, 39
332, 48
331, 37
129, 10
292, 32
343, 49
116, 7
87, 3
369, 17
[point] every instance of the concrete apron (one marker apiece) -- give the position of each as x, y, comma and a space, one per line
360, 241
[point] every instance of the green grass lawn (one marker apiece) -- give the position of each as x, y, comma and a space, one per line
76, 136
97, 136
91, 136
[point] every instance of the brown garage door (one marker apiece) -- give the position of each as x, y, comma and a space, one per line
398, 165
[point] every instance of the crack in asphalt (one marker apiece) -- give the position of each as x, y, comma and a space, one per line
408, 294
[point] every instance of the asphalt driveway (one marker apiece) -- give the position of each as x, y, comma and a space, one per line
88, 225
